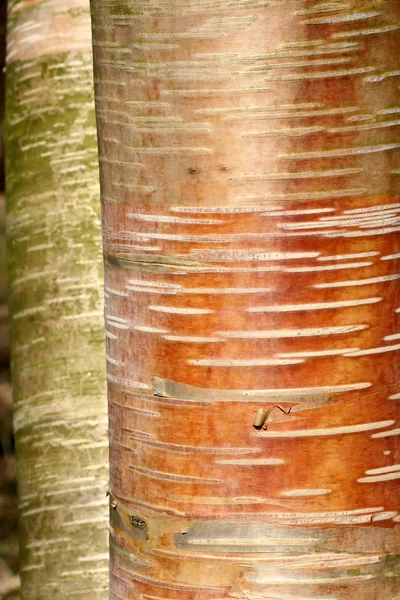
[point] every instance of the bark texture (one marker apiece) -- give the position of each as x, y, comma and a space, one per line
249, 166
56, 297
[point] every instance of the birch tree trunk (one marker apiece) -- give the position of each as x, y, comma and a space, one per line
249, 167
56, 297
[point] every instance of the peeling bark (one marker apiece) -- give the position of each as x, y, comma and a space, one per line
249, 158
56, 297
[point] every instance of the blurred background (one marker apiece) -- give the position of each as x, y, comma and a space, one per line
9, 581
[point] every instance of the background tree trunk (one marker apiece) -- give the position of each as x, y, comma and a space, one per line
9, 560
55, 276
249, 165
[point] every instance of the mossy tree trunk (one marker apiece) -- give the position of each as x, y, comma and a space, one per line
56, 301
250, 168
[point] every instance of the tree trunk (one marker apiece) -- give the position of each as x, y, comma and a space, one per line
55, 274
249, 165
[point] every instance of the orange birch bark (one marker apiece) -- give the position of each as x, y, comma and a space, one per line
249, 164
